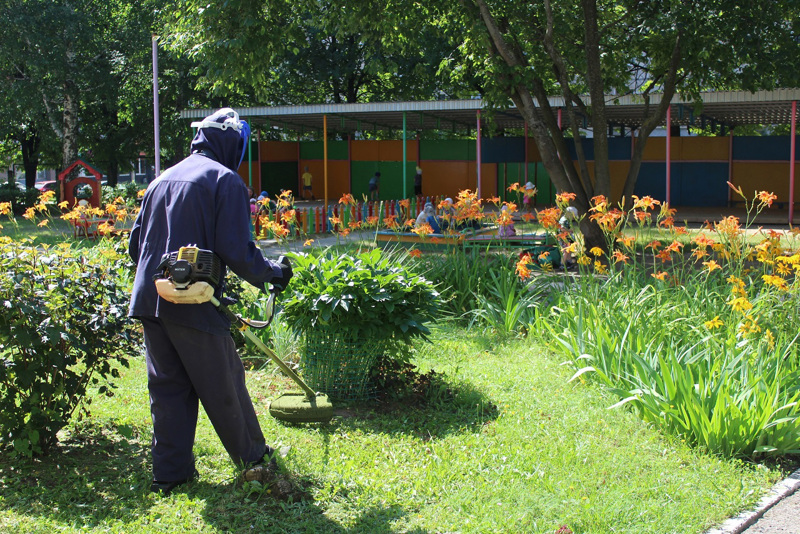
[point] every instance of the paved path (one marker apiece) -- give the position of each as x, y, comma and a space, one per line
783, 518
778, 512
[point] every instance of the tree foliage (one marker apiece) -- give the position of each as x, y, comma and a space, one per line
310, 51
584, 50
77, 76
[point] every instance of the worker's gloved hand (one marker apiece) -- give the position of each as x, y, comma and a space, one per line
286, 274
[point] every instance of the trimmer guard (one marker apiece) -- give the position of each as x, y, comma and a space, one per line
297, 407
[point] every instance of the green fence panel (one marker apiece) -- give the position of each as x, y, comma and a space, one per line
278, 175
546, 191
391, 184
316, 150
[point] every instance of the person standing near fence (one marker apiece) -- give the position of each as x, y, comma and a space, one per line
418, 182
307, 181
374, 184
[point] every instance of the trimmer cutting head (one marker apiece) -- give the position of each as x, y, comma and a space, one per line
297, 407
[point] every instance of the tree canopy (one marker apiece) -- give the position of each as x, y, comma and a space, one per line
79, 70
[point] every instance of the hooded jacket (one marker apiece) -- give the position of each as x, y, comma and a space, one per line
200, 201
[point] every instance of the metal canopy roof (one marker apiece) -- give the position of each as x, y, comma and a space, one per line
729, 108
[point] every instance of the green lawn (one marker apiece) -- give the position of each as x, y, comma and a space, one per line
502, 443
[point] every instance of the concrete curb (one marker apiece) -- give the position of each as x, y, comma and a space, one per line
781, 490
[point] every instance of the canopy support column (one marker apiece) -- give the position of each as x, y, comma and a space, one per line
478, 153
669, 145
526, 153
793, 142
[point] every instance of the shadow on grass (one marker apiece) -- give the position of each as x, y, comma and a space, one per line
96, 477
431, 411
91, 475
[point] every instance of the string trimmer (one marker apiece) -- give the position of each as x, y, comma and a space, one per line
190, 276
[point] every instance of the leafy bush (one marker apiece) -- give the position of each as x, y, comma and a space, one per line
63, 328
370, 295
128, 192
20, 199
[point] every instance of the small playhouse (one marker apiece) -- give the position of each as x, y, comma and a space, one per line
81, 187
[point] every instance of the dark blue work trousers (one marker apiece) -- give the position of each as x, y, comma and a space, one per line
184, 365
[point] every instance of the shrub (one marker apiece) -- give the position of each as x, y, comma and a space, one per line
370, 295
20, 199
63, 328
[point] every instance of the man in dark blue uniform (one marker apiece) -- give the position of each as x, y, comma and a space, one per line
190, 353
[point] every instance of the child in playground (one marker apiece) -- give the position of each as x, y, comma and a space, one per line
373, 186
506, 223
527, 196
428, 215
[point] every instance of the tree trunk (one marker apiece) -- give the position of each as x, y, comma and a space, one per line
112, 172
593, 236
69, 144
29, 145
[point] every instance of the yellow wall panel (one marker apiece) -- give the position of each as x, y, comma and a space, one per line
655, 149
705, 148
393, 151
338, 177
773, 177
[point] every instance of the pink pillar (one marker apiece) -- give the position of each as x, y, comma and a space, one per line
791, 160
526, 152
350, 163
559, 118
669, 143
478, 154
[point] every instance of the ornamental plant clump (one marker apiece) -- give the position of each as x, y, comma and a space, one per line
695, 329
63, 329
370, 295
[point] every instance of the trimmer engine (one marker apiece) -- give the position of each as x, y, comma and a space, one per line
188, 276
191, 264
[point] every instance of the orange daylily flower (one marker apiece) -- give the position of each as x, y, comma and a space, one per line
766, 198
626, 241
599, 204
549, 217
423, 230
565, 198
645, 203
618, 256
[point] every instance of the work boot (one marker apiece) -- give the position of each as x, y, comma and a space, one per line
165, 488
267, 473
